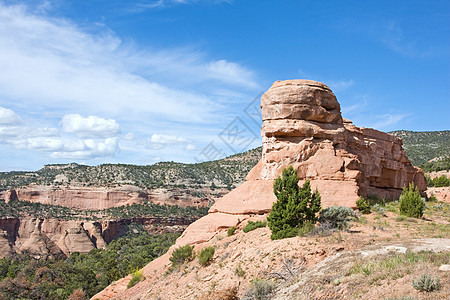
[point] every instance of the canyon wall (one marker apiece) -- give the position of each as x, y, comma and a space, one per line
55, 237
98, 198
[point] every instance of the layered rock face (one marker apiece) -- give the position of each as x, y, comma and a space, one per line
97, 198
56, 237
303, 127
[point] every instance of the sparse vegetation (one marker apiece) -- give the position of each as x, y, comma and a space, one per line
223, 173
437, 165
338, 217
305, 228
294, 206
182, 255
231, 230
397, 265
206, 256
426, 283
146, 209
239, 271
261, 289
363, 205
438, 181
422, 147
411, 204
135, 278
254, 225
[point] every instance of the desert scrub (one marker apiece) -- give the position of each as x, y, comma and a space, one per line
411, 203
260, 289
363, 205
239, 271
305, 228
206, 256
254, 225
338, 217
398, 265
231, 230
426, 283
182, 255
380, 210
135, 278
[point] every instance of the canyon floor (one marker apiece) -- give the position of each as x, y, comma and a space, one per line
377, 258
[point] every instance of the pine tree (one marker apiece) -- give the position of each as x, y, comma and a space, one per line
294, 206
411, 204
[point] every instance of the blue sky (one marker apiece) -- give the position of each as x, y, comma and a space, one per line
145, 81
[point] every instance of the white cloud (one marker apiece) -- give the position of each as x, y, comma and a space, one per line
387, 120
49, 62
167, 139
48, 139
139, 6
91, 126
9, 117
54, 67
230, 72
191, 147
129, 136
87, 149
340, 85
159, 141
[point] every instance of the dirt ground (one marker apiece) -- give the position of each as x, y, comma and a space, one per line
376, 259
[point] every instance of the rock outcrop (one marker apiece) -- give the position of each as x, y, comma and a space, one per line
97, 198
303, 127
55, 237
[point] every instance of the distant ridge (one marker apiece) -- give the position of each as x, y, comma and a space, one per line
424, 146
421, 147
227, 172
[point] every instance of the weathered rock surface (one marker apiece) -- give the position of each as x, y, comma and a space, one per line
441, 193
303, 127
97, 198
55, 237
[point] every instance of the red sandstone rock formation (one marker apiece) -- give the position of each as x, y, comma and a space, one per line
303, 127
97, 198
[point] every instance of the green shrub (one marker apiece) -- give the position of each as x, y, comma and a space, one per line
206, 256
231, 230
294, 206
182, 255
336, 217
380, 210
411, 203
135, 278
426, 283
305, 228
239, 271
432, 198
441, 181
261, 289
363, 205
254, 225
401, 218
